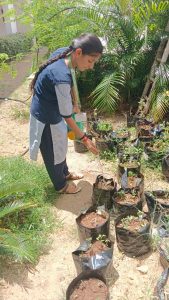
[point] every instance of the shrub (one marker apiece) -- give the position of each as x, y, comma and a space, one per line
15, 44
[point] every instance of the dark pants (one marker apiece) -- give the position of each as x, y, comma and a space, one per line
57, 172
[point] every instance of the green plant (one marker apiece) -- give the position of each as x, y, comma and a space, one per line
34, 224
159, 98
103, 126
130, 219
121, 194
21, 114
107, 155
103, 238
17, 245
131, 174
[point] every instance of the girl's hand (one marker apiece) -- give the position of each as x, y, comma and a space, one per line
91, 146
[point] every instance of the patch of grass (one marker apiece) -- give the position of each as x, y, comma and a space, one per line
21, 114
35, 222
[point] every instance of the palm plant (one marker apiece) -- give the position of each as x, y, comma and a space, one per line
159, 98
14, 244
132, 32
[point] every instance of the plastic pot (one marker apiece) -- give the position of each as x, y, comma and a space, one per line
165, 167
126, 182
100, 262
86, 232
86, 276
156, 208
103, 190
133, 243
125, 205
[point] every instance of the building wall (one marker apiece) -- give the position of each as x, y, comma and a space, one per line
9, 25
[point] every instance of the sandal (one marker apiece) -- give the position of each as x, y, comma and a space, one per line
74, 176
70, 188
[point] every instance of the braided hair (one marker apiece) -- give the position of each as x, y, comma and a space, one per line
89, 43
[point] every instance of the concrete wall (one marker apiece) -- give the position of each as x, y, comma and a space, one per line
9, 25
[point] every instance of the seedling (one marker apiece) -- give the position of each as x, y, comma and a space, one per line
102, 238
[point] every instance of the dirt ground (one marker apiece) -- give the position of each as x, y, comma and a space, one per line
56, 269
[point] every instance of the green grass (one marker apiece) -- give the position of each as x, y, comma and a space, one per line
21, 114
36, 223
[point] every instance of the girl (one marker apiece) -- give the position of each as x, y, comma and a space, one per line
52, 108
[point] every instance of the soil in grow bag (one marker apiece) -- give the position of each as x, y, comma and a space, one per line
123, 200
145, 135
165, 167
87, 287
158, 203
93, 222
103, 190
145, 124
133, 233
95, 255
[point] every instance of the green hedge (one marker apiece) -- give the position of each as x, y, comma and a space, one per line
15, 43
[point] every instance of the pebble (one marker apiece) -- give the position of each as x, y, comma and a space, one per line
143, 269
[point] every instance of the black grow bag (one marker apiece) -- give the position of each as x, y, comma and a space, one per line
122, 207
125, 168
101, 144
133, 244
165, 167
103, 196
85, 232
157, 209
138, 181
84, 276
101, 262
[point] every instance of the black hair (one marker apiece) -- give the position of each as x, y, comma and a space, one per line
89, 43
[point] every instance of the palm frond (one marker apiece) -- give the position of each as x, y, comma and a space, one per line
161, 84
106, 95
161, 107
15, 206
10, 189
17, 245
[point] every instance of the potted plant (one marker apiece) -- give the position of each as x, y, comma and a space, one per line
133, 233
88, 286
158, 203
95, 255
132, 180
123, 200
103, 128
92, 222
103, 190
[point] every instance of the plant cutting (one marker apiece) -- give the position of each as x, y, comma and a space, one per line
125, 199
133, 233
88, 286
92, 222
103, 190
95, 255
